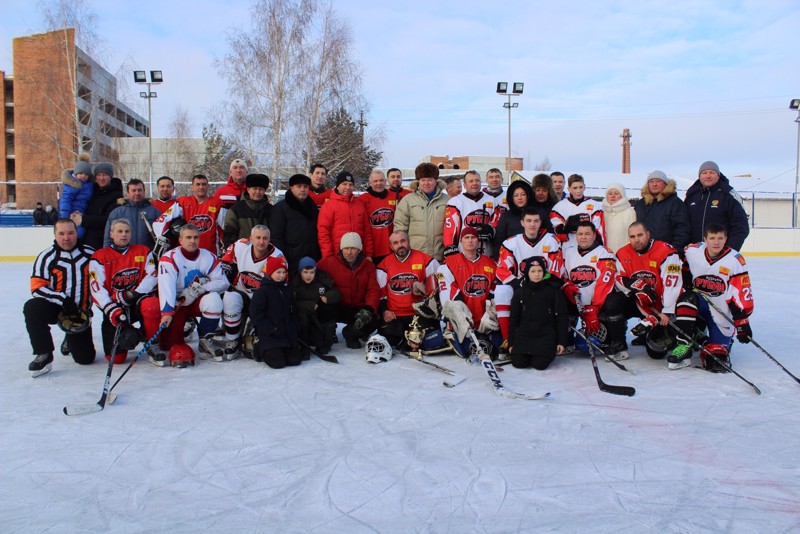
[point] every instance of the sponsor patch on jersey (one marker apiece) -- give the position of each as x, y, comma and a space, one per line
415, 266
490, 204
710, 284
212, 209
590, 206
125, 279
653, 263
546, 248
476, 285
740, 258
724, 270
476, 219
401, 284
381, 218
488, 269
674, 268
202, 222
392, 202
593, 259
92, 275
583, 276
138, 259
251, 281
646, 276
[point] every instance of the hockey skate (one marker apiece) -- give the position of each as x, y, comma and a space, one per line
41, 364
617, 351
680, 357
208, 350
157, 356
644, 326
65, 347
229, 347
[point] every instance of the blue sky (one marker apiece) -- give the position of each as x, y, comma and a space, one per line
693, 80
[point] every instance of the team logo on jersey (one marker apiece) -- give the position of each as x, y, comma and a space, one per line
250, 281
476, 285
646, 276
724, 270
125, 279
202, 222
401, 284
583, 276
710, 284
381, 218
476, 218
138, 259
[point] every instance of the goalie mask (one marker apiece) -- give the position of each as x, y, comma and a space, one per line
75, 324
378, 349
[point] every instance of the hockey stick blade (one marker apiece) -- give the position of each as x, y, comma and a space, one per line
83, 409
453, 382
330, 358
420, 359
494, 377
607, 357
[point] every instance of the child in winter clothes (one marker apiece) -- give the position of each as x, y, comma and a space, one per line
314, 297
539, 318
77, 191
272, 313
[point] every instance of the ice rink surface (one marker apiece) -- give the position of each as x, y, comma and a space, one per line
351, 448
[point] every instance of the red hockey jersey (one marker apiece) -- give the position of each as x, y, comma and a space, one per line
659, 266
396, 279
469, 280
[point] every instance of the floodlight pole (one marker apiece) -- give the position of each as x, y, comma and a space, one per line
502, 90
796, 171
156, 77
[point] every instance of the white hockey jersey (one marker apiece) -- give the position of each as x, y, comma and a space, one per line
176, 272
589, 210
463, 210
593, 271
246, 271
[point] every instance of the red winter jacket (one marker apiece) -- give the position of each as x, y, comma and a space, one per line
359, 285
338, 216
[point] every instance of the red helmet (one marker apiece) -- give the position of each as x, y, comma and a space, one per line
181, 355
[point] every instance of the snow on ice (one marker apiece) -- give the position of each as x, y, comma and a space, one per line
236, 446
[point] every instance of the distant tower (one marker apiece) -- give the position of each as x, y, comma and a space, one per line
626, 151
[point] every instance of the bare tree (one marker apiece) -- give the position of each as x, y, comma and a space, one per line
544, 165
179, 158
77, 14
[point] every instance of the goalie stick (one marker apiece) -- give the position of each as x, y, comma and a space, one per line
107, 397
753, 341
491, 372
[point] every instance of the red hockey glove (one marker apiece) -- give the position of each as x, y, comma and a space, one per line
117, 316
743, 330
570, 290
590, 319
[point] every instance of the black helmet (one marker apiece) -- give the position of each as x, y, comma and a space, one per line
74, 324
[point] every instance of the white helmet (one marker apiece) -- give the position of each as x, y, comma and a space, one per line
378, 349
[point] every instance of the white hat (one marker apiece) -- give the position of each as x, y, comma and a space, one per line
351, 240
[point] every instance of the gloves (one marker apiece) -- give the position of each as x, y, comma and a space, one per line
418, 288
486, 232
191, 293
131, 297
450, 250
646, 296
572, 223
570, 291
743, 330
70, 308
489, 322
590, 319
117, 316
160, 247
460, 317
427, 307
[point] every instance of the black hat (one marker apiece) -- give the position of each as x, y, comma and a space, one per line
344, 176
527, 263
298, 179
104, 168
257, 180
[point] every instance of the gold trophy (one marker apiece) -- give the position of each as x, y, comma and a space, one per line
414, 337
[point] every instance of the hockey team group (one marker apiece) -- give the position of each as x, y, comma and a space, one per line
518, 274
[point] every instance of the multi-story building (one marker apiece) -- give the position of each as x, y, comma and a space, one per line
58, 102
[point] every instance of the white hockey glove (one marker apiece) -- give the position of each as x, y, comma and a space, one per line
160, 247
191, 293
489, 322
459, 316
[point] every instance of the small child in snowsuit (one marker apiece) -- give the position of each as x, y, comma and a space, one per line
539, 318
314, 297
77, 191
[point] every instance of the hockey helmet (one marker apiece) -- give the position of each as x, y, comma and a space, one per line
658, 342
378, 349
181, 355
74, 324
129, 337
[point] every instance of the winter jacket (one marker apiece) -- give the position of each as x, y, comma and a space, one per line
128, 210
243, 216
104, 200
272, 313
665, 216
509, 224
293, 229
616, 219
52, 215
307, 296
423, 219
539, 318
358, 284
338, 216
230, 192
716, 205
39, 217
75, 196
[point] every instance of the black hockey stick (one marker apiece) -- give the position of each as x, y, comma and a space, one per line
597, 347
750, 338
111, 396
491, 372
99, 405
614, 390
330, 358
420, 359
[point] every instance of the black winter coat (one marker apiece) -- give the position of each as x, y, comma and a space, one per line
100, 206
306, 296
539, 318
39, 217
242, 216
293, 227
665, 216
272, 313
716, 205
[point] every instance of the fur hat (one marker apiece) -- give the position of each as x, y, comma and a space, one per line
469, 230
306, 263
708, 166
257, 180
351, 240
238, 162
344, 176
298, 179
104, 168
274, 263
82, 166
657, 175
542, 180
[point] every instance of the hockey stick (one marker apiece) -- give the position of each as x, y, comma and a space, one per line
614, 390
750, 338
597, 347
699, 347
330, 358
491, 372
157, 251
111, 396
99, 405
420, 359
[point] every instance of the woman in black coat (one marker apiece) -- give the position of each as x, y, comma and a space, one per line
518, 195
539, 318
272, 313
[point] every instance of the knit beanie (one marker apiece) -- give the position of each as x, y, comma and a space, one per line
237, 162
82, 166
350, 240
469, 230
657, 175
274, 263
527, 263
344, 176
306, 263
104, 168
619, 187
709, 166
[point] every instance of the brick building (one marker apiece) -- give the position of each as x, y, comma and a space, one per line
58, 102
